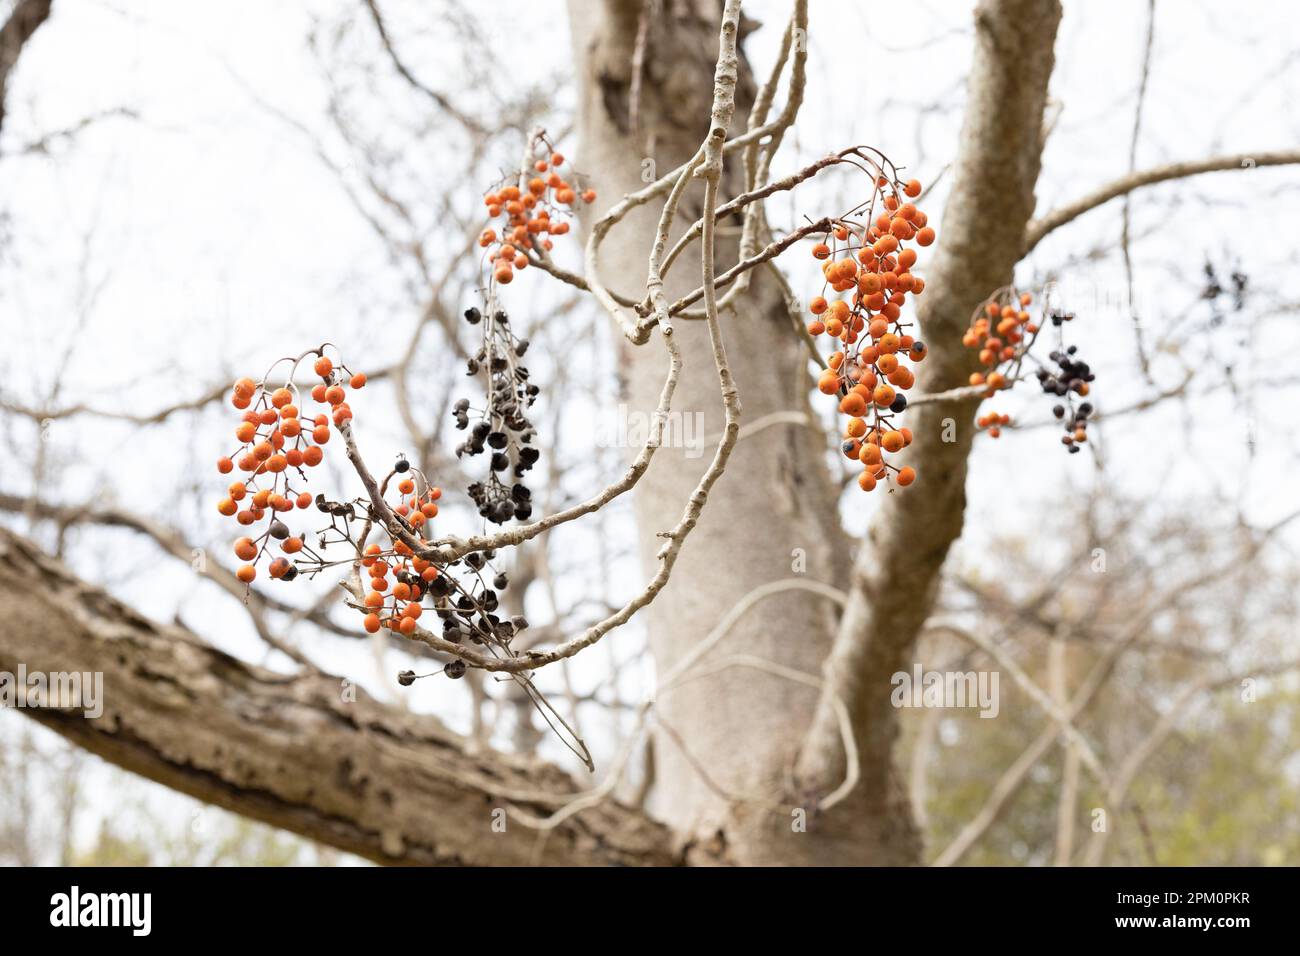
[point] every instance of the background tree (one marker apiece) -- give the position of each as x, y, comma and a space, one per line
782, 625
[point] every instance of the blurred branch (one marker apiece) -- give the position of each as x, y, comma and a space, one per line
1039, 228
444, 104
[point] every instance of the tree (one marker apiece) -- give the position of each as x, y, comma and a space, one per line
781, 746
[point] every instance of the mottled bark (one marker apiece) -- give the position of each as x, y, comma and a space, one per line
303, 752
774, 512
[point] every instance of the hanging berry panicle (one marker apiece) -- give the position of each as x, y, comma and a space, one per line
870, 263
531, 212
501, 426
1005, 333
277, 444
528, 213
463, 594
993, 423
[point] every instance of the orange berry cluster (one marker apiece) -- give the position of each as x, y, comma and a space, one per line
1002, 332
1005, 333
992, 422
870, 263
530, 214
399, 608
276, 441
401, 580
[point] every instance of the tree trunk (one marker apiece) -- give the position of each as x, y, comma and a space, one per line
308, 752
773, 515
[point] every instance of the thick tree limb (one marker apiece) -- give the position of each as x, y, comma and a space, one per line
17, 30
1039, 228
306, 752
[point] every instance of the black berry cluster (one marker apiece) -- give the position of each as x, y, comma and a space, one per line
467, 606
502, 428
1071, 377
1215, 287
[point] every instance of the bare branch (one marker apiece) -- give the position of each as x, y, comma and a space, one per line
1039, 228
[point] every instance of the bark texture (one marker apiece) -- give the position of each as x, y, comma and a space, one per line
773, 515
294, 751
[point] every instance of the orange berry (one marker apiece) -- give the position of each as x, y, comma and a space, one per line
854, 404
246, 573
906, 476
902, 377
